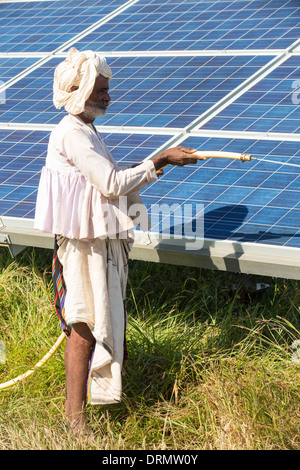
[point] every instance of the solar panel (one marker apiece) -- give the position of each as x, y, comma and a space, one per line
253, 201
150, 91
46, 25
10, 67
271, 105
212, 75
193, 25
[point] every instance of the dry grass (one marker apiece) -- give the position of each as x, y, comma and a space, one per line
208, 369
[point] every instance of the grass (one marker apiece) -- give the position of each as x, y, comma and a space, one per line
209, 368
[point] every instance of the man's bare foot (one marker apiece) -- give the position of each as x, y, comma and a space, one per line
68, 413
80, 429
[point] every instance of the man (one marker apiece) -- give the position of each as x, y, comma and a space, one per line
79, 200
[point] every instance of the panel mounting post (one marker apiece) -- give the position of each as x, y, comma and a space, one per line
13, 249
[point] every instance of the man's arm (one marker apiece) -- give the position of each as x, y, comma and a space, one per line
179, 156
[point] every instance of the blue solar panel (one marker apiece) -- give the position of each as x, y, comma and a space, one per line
12, 66
252, 201
23, 153
22, 156
198, 25
165, 92
44, 26
31, 98
272, 105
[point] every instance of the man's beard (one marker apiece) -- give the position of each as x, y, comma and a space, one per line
94, 109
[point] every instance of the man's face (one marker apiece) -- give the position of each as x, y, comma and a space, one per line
99, 99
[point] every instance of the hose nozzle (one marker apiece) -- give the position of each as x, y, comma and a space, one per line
245, 157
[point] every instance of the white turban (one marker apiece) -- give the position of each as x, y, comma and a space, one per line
79, 69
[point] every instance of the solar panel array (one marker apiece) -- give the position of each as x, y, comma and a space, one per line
212, 75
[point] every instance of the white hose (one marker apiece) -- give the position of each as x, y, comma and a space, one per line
54, 348
233, 155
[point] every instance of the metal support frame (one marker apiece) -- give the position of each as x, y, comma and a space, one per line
224, 255
13, 249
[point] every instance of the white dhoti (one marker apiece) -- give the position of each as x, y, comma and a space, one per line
95, 275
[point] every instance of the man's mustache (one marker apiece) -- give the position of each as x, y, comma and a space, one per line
103, 104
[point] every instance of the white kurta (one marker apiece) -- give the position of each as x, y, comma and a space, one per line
80, 198
82, 192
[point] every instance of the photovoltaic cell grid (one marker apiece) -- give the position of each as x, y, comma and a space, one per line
165, 92
272, 105
198, 25
10, 67
252, 201
30, 99
23, 153
45, 26
173, 91
22, 156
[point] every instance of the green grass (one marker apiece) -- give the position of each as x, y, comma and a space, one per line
209, 368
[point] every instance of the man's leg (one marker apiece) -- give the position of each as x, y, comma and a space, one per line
77, 356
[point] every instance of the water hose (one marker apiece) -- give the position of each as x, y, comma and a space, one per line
244, 157
24, 376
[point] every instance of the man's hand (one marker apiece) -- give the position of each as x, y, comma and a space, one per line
179, 156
